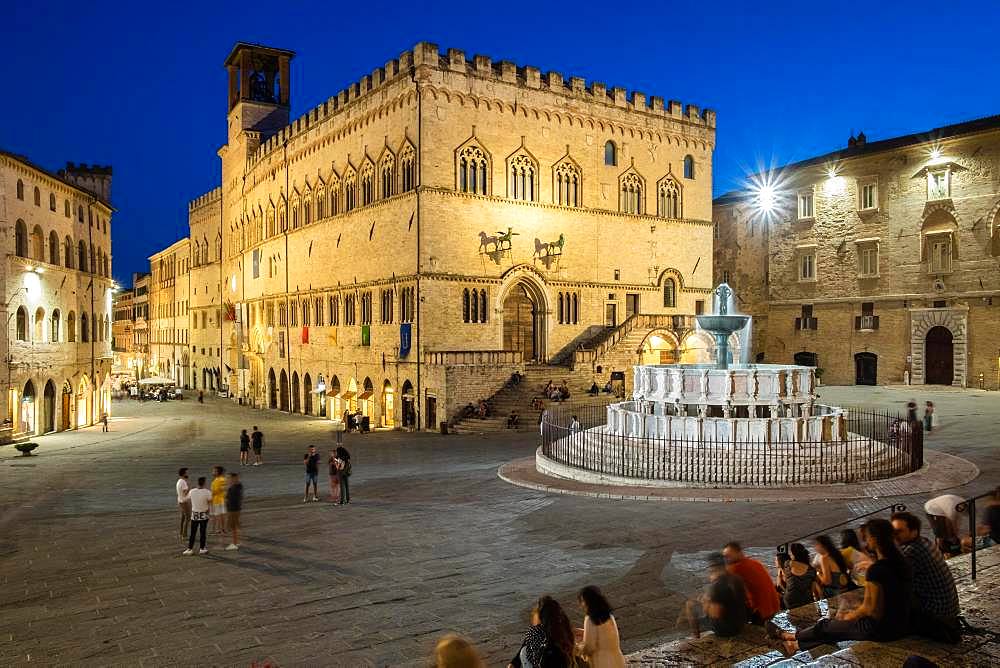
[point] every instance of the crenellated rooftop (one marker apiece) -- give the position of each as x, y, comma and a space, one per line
212, 196
426, 54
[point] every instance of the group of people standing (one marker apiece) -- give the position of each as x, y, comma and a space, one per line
221, 502
253, 441
340, 469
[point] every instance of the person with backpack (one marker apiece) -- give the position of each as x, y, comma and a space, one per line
344, 458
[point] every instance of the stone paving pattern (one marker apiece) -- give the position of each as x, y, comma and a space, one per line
91, 572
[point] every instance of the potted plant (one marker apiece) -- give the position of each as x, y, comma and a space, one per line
26, 448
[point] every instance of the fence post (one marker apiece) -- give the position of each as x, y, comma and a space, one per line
972, 534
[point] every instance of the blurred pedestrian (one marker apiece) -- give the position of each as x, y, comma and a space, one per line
722, 609
104, 422
928, 415
333, 462
454, 651
257, 443
345, 475
762, 597
234, 506
311, 461
598, 642
218, 499
201, 501
183, 502
244, 448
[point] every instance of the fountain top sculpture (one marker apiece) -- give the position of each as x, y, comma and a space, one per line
721, 325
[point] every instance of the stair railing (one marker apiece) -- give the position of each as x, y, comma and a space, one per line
893, 508
969, 506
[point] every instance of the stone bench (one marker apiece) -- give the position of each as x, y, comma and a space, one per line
980, 606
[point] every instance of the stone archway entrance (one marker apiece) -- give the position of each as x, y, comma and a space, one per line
49, 407
283, 391
939, 345
524, 322
939, 356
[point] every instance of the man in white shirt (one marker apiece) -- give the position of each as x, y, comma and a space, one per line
201, 501
183, 503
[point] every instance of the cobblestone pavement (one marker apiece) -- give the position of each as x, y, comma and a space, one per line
91, 571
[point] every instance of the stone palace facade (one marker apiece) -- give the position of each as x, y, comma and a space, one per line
880, 263
496, 215
57, 290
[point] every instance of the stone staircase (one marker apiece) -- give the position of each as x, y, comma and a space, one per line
980, 605
607, 349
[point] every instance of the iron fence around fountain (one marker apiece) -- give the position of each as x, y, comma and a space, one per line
877, 445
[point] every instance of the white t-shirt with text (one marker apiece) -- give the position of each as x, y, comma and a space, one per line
201, 500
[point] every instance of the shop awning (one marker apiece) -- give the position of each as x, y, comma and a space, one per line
347, 395
367, 394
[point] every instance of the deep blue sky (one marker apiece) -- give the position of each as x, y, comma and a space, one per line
141, 86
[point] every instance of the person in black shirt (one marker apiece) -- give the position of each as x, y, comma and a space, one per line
311, 460
722, 609
234, 504
257, 442
885, 612
244, 448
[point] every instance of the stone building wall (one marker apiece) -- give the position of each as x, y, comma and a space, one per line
909, 293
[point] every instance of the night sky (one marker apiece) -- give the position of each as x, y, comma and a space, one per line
141, 86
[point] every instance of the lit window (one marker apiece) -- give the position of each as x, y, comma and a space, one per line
869, 196
868, 260
938, 184
807, 267
805, 205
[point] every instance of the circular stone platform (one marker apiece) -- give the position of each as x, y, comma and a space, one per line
940, 471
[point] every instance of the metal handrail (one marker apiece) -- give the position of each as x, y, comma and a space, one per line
970, 505
892, 508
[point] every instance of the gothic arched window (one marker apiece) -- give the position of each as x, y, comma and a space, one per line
688, 167
567, 184
68, 252
668, 199
669, 293
20, 189
38, 196
71, 327
54, 326
631, 193
522, 172
22, 323
52, 201
610, 154
367, 184
473, 169
387, 174
21, 239
482, 306
466, 307
407, 168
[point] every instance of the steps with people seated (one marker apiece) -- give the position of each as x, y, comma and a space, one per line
980, 605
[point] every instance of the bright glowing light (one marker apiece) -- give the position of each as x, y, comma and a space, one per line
935, 154
835, 185
232, 283
32, 287
766, 199
39, 270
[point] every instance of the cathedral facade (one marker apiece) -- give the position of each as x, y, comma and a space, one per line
498, 217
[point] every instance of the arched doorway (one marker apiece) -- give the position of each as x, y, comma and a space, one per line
388, 405
939, 357
27, 413
350, 396
697, 348
67, 398
49, 407
272, 390
83, 402
865, 369
336, 404
659, 347
283, 392
296, 403
366, 398
409, 405
524, 320
321, 394
307, 399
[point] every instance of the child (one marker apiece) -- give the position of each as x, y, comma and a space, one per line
928, 415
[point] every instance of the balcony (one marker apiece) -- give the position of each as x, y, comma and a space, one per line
865, 323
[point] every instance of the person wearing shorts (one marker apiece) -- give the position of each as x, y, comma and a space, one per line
311, 461
234, 505
218, 499
244, 448
257, 443
183, 502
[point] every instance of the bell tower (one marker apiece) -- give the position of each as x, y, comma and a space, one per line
259, 90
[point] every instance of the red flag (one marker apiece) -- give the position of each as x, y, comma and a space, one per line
305, 334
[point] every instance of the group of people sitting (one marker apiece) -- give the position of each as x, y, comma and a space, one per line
554, 392
595, 390
908, 586
481, 409
550, 640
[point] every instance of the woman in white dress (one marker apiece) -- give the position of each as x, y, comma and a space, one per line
598, 642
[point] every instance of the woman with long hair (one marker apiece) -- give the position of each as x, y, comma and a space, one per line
548, 642
834, 571
599, 643
883, 615
345, 469
801, 581
334, 464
